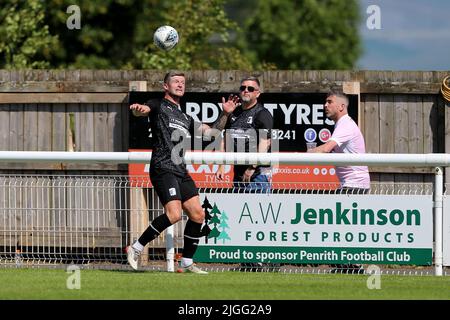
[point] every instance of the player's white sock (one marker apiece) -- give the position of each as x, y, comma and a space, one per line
186, 262
138, 246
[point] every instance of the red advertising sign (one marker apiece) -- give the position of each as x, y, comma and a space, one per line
283, 176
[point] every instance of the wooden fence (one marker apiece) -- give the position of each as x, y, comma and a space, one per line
86, 110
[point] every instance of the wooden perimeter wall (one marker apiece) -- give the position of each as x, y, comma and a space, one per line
87, 110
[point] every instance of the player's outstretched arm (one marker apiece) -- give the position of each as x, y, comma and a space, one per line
231, 104
228, 107
140, 110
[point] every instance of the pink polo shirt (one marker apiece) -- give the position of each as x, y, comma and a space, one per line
350, 140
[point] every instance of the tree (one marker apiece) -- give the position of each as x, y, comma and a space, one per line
107, 36
206, 207
203, 28
25, 41
224, 227
214, 221
303, 34
118, 34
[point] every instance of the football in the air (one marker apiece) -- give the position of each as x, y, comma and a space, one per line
165, 38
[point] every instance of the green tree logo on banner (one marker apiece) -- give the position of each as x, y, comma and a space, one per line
206, 207
214, 222
224, 227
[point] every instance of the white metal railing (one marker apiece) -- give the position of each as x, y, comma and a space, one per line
414, 160
409, 160
50, 219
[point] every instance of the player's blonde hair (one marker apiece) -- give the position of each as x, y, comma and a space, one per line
171, 74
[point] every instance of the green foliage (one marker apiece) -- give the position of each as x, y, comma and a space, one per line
106, 37
118, 34
204, 39
303, 34
25, 42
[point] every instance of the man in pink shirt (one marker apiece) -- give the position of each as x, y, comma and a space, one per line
346, 138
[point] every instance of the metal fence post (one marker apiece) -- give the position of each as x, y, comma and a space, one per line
437, 209
170, 249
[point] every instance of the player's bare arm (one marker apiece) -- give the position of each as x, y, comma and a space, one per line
140, 110
263, 146
220, 174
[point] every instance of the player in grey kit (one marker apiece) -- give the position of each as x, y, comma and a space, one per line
249, 129
173, 185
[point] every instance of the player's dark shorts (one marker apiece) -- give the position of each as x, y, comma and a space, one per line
169, 186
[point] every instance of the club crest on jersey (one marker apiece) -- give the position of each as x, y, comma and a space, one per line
249, 119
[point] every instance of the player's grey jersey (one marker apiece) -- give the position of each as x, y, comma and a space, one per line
245, 127
165, 118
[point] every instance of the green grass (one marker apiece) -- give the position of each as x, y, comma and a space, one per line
102, 284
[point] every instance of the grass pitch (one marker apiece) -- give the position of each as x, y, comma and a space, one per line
46, 284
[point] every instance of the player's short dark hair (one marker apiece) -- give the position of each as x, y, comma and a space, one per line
339, 94
251, 79
171, 74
